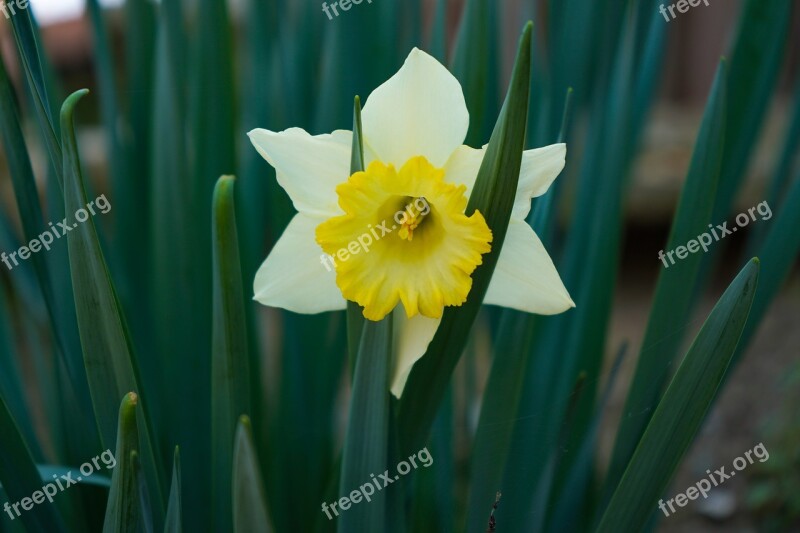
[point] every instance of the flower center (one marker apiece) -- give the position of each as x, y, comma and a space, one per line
431, 263
412, 218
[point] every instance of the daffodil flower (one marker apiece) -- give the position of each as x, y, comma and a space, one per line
396, 235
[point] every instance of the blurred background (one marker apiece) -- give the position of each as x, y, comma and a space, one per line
759, 402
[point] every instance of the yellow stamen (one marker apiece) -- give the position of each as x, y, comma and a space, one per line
410, 221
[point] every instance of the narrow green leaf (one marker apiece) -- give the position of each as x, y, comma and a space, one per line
230, 390
20, 478
367, 438
778, 254
355, 316
33, 227
95, 479
123, 512
575, 341
675, 290
493, 195
512, 350
438, 39
12, 386
107, 347
249, 502
788, 160
145, 509
30, 52
433, 503
548, 479
174, 521
682, 409
129, 226
474, 64
170, 268
577, 480
755, 63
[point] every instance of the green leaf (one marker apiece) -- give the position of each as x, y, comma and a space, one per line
493, 195
788, 159
230, 390
755, 63
577, 480
33, 227
499, 407
474, 64
778, 253
682, 409
355, 316
249, 503
548, 479
575, 341
107, 348
145, 509
12, 386
432, 506
675, 290
438, 40
174, 521
20, 478
367, 438
30, 52
95, 479
123, 512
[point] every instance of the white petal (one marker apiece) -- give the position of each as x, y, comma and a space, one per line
294, 276
411, 339
525, 277
418, 111
463, 165
539, 168
308, 167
